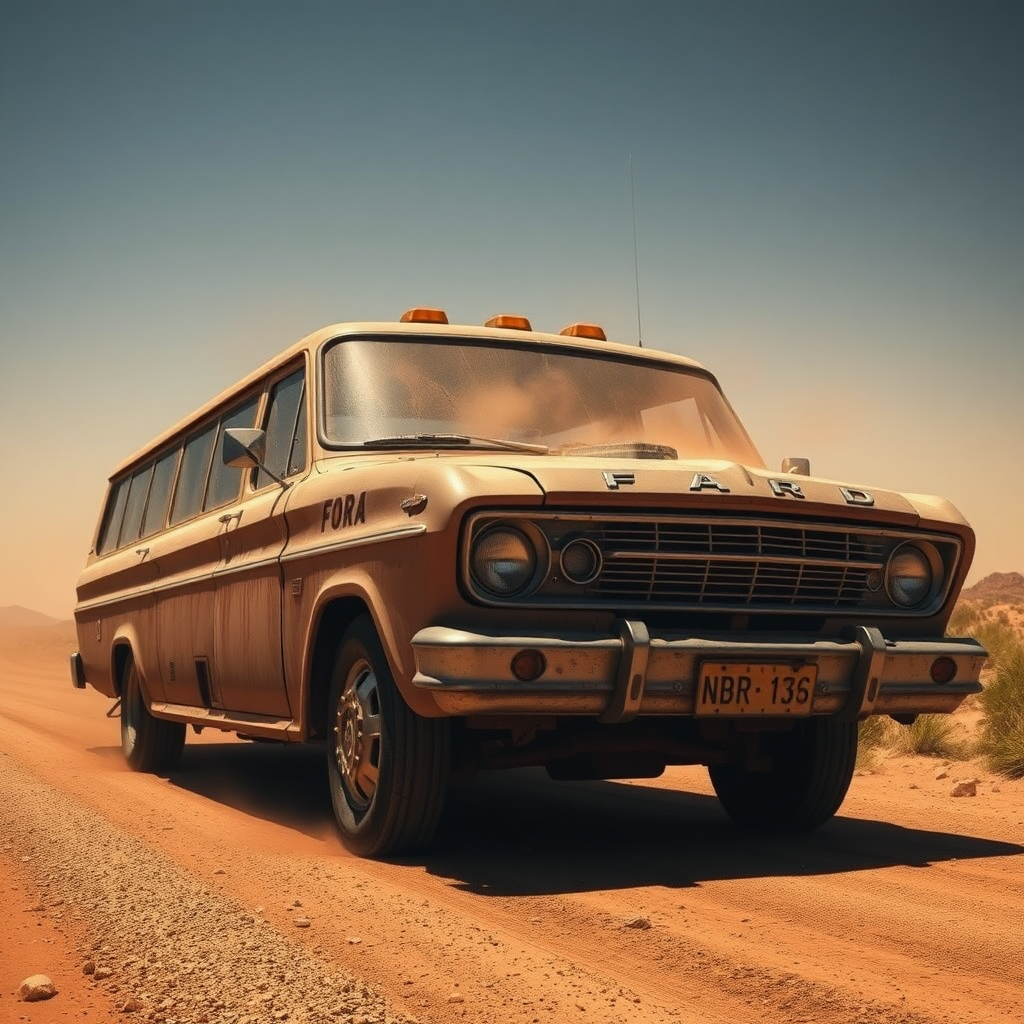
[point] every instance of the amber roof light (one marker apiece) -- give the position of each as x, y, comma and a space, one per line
507, 320
424, 315
584, 331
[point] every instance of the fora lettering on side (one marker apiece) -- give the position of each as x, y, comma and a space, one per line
346, 510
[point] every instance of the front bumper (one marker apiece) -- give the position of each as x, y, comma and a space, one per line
617, 677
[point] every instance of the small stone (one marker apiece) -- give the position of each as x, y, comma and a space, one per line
102, 972
132, 1005
354, 940
220, 871
302, 922
942, 774
913, 785
456, 997
638, 922
996, 789
36, 988
89, 967
965, 787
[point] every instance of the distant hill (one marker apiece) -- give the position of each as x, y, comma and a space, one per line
998, 588
13, 616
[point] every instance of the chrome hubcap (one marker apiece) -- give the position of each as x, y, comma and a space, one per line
357, 738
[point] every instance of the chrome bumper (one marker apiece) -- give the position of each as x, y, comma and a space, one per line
617, 677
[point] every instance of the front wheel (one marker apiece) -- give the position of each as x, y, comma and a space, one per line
809, 772
387, 767
149, 744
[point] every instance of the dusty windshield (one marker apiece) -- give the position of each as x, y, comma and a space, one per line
383, 389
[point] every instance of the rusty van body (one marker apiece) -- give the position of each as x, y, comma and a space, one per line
438, 548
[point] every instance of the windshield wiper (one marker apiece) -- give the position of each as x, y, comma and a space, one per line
459, 440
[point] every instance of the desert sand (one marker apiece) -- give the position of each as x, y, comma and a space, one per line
220, 893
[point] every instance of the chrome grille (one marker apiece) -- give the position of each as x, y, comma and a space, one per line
727, 563
735, 563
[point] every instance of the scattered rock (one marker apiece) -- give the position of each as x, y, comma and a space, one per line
942, 774
132, 1005
302, 922
99, 973
89, 967
220, 871
36, 988
638, 922
965, 787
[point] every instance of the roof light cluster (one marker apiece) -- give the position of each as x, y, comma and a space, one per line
505, 321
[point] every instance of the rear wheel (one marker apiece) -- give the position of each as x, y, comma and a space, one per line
809, 773
149, 744
387, 766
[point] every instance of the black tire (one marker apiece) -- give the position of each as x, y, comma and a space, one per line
387, 767
149, 744
810, 771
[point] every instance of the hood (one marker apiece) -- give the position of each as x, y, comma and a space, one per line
693, 484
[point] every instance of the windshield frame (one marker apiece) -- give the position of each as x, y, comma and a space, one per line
648, 360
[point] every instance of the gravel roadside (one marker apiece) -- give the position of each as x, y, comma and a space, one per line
167, 949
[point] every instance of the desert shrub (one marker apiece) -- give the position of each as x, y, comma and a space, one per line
998, 639
964, 620
996, 634
874, 732
873, 737
930, 734
1002, 702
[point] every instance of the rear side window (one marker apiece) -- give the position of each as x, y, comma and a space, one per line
131, 525
286, 429
112, 517
159, 492
225, 481
195, 467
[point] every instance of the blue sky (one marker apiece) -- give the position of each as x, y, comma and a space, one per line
828, 214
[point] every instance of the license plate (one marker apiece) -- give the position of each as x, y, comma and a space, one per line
735, 688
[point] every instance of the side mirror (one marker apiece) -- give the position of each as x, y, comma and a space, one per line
244, 448
801, 467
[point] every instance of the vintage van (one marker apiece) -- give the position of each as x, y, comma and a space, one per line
438, 548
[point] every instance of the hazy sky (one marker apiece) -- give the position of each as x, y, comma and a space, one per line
829, 213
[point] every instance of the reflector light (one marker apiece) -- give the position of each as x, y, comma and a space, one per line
528, 665
943, 670
584, 331
424, 315
510, 322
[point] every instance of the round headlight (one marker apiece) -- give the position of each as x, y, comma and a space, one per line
909, 576
581, 561
504, 561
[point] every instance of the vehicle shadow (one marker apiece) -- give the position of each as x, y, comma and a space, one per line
519, 833
281, 783
522, 834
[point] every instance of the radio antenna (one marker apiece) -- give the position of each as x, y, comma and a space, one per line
636, 263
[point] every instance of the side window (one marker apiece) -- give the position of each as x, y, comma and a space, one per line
116, 498
131, 525
225, 481
159, 492
195, 467
286, 429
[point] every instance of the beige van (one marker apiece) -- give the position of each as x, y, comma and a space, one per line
440, 548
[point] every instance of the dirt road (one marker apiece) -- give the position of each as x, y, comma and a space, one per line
221, 893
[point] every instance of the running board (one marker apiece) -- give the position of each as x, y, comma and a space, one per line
265, 726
